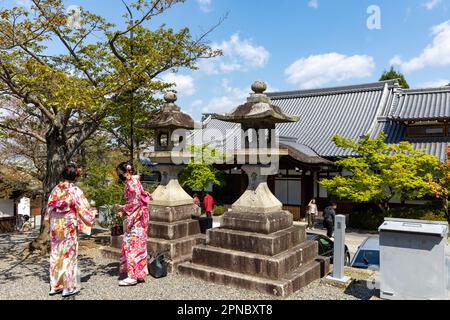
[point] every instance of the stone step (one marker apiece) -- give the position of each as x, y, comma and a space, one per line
110, 253
173, 230
266, 244
171, 214
281, 288
175, 248
265, 223
270, 267
172, 265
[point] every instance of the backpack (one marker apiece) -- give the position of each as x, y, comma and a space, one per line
157, 266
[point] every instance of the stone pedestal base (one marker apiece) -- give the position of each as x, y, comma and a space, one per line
262, 252
171, 230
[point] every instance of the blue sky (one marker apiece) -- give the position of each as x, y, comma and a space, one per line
301, 44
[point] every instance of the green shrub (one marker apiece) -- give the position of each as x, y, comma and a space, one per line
218, 211
371, 219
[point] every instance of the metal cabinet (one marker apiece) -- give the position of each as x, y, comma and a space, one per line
413, 263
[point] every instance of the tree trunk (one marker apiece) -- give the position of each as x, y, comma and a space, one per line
57, 152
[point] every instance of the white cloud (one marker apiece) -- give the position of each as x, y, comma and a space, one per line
230, 99
183, 84
317, 70
429, 5
435, 83
435, 54
313, 4
238, 55
205, 5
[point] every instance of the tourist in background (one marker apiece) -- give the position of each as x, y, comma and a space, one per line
198, 209
26, 224
68, 212
311, 214
133, 257
329, 214
208, 203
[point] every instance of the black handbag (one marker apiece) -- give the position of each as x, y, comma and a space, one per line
157, 266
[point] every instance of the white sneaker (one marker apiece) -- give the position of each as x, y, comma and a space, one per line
128, 282
69, 293
54, 292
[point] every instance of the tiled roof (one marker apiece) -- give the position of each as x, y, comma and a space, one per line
354, 111
423, 104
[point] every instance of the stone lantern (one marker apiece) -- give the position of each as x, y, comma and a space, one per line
257, 246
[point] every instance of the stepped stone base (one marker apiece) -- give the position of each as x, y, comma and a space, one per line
177, 251
262, 252
171, 230
254, 264
270, 244
282, 287
261, 223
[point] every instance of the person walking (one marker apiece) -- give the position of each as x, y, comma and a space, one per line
311, 214
329, 214
208, 203
133, 256
68, 213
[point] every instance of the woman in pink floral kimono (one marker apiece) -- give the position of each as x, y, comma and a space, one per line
68, 212
133, 258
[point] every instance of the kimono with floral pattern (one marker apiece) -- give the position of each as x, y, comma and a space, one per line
133, 258
68, 212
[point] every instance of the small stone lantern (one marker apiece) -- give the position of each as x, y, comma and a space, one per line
171, 227
168, 120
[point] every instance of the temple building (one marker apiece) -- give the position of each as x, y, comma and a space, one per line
420, 116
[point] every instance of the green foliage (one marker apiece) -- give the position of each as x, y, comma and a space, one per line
199, 173
381, 172
392, 75
440, 186
218, 211
371, 219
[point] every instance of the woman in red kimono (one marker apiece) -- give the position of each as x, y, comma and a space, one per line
133, 258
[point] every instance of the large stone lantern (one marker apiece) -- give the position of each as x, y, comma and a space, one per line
257, 246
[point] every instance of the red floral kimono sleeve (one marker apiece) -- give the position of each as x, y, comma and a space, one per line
85, 214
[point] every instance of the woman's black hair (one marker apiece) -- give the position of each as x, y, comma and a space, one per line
71, 172
125, 167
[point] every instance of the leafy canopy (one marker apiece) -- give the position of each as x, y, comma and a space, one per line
380, 172
200, 173
392, 75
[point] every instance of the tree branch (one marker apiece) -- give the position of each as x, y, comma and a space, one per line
25, 132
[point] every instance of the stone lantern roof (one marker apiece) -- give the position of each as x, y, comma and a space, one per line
170, 116
258, 110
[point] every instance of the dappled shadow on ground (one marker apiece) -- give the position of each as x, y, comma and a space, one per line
17, 263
